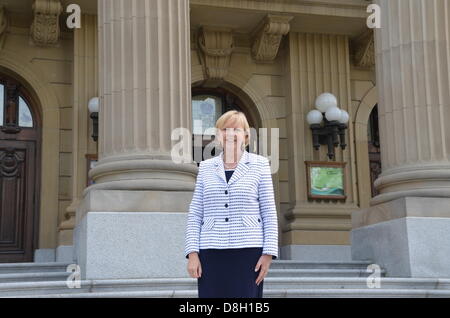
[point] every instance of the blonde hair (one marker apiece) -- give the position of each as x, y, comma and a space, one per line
238, 116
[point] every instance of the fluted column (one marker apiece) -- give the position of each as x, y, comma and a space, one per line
407, 228
131, 221
413, 71
144, 51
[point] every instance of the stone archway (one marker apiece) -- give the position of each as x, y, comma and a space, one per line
20, 147
362, 156
12, 64
241, 85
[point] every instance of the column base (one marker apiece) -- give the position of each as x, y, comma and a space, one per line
126, 245
316, 253
408, 237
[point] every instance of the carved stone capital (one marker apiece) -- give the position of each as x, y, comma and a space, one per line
216, 46
267, 37
364, 49
45, 27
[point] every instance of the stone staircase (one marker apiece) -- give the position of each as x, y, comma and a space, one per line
285, 279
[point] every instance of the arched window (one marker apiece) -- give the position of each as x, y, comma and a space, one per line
206, 109
11, 116
208, 104
25, 117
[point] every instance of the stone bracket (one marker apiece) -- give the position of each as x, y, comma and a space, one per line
364, 50
45, 28
267, 37
216, 46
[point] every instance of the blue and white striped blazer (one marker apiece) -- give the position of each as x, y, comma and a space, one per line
238, 214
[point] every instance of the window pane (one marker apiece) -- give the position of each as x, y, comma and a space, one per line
205, 112
2, 101
25, 118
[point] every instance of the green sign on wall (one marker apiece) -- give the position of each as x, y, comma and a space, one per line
326, 180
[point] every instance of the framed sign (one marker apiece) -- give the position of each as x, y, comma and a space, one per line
91, 160
326, 180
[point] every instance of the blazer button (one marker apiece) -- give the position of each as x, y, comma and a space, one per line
226, 205
226, 219
226, 192
259, 220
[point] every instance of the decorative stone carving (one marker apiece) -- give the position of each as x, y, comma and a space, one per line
45, 27
3, 25
216, 46
267, 37
364, 49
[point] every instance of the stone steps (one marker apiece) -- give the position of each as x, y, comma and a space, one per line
287, 273
16, 268
285, 279
274, 293
320, 273
33, 277
179, 286
287, 264
34, 272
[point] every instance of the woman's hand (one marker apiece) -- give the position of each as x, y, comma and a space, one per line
194, 266
263, 264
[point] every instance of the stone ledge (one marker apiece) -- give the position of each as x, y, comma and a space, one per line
400, 208
134, 201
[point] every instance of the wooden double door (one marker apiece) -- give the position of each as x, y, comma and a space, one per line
19, 172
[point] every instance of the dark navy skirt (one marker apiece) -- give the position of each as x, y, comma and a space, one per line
229, 273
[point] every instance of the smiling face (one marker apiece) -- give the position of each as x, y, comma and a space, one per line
232, 133
232, 138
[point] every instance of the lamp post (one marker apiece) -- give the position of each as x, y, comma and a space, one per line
93, 110
328, 124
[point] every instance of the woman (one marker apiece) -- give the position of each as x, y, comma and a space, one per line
232, 228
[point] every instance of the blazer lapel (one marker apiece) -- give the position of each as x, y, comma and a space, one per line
220, 170
240, 170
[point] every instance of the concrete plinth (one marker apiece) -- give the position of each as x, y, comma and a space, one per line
44, 255
316, 253
125, 245
408, 237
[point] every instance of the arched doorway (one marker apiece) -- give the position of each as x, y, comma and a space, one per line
208, 104
367, 154
20, 137
374, 149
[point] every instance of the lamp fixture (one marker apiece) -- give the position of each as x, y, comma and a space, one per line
93, 107
328, 123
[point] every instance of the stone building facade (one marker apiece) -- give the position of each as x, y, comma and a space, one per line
149, 61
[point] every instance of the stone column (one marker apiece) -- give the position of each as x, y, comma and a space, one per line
132, 220
407, 227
